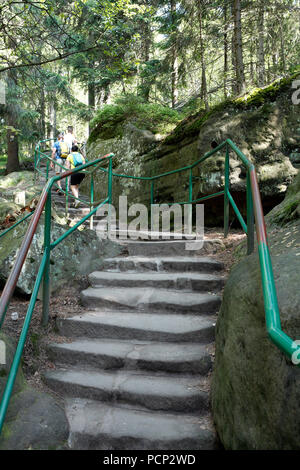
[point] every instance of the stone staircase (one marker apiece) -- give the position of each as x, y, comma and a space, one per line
136, 372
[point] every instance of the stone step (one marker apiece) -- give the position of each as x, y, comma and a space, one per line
170, 247
133, 355
99, 426
169, 264
137, 326
149, 390
150, 299
188, 281
150, 235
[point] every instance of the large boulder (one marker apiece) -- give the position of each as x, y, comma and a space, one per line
80, 253
19, 187
17, 190
264, 125
255, 388
34, 419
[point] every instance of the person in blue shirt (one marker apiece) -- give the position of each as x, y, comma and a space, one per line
57, 159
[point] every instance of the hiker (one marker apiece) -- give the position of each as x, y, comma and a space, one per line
70, 139
60, 151
75, 159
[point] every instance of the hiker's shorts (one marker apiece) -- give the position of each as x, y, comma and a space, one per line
77, 178
59, 169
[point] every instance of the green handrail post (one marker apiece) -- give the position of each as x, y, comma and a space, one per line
190, 211
250, 217
151, 203
92, 201
110, 181
18, 354
47, 169
47, 249
191, 185
226, 190
152, 193
34, 168
110, 175
67, 196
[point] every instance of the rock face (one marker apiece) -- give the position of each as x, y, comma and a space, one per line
80, 253
34, 419
264, 125
16, 191
255, 389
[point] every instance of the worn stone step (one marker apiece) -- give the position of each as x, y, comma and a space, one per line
149, 390
144, 327
133, 355
195, 281
171, 247
99, 426
150, 235
147, 299
169, 264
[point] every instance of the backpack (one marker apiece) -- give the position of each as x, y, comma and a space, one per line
64, 149
77, 159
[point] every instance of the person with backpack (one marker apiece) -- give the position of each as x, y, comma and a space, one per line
73, 160
70, 138
60, 152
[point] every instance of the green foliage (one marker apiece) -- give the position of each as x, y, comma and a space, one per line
150, 116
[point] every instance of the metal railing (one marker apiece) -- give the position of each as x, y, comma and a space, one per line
254, 209
43, 274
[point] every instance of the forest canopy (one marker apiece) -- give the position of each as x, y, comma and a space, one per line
63, 62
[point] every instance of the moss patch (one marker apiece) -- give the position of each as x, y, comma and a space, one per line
153, 117
289, 209
190, 126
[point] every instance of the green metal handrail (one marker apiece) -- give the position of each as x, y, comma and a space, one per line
38, 157
43, 275
254, 209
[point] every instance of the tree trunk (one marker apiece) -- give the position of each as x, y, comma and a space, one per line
203, 67
225, 49
174, 57
91, 100
42, 112
106, 98
261, 50
145, 86
238, 48
282, 48
233, 58
13, 163
52, 117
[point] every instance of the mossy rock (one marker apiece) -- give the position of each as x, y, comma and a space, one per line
259, 97
255, 387
34, 421
7, 207
289, 209
16, 191
10, 348
262, 124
